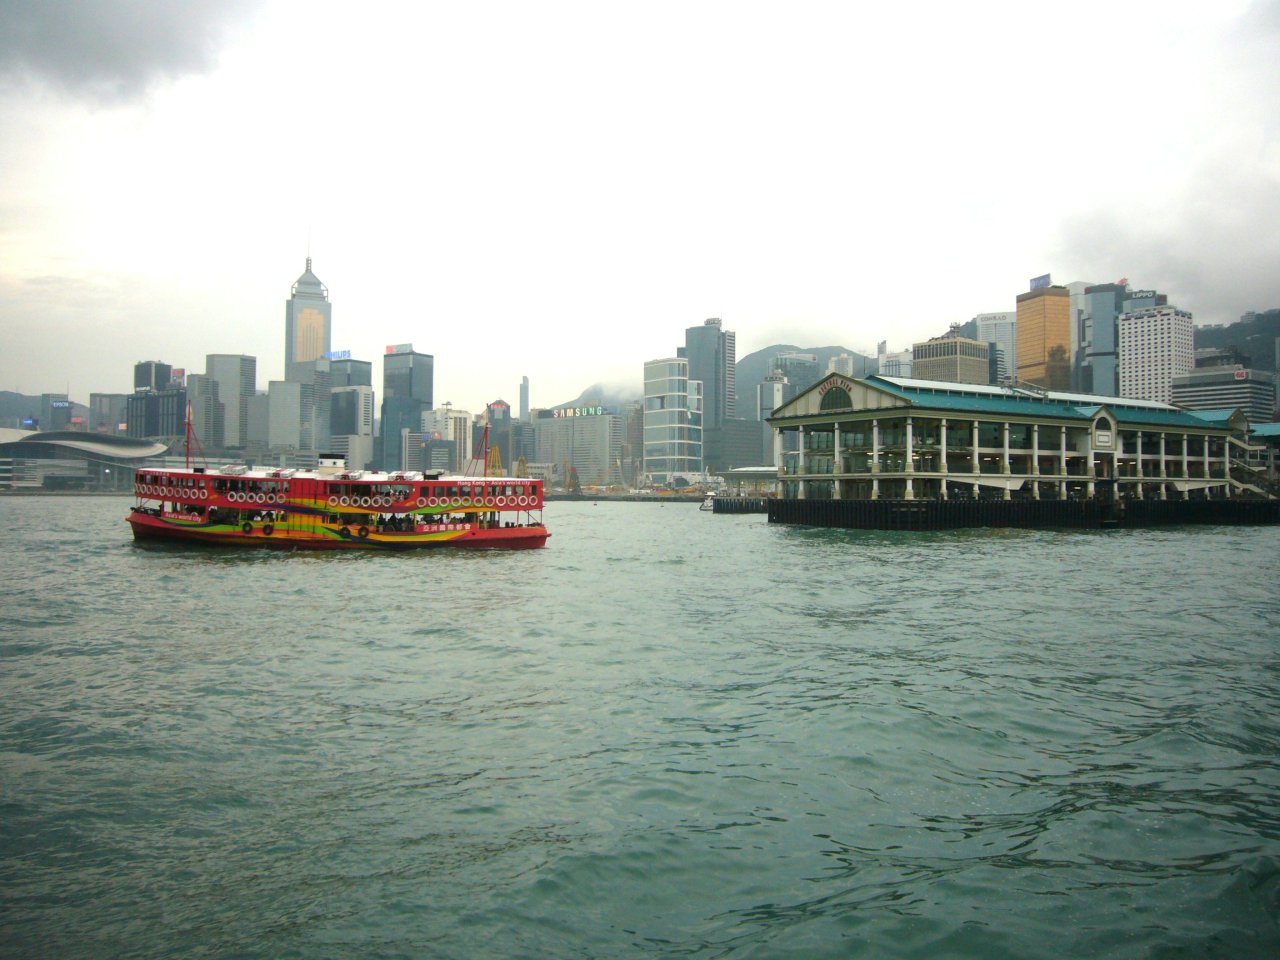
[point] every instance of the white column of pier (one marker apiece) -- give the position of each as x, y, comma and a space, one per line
910, 467
1005, 466
1138, 461
875, 459
801, 466
942, 452
976, 467
1226, 466
1091, 469
1164, 468
1062, 461
1035, 461
837, 466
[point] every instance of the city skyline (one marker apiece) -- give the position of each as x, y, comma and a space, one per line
523, 194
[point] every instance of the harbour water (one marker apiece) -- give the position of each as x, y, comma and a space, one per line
668, 734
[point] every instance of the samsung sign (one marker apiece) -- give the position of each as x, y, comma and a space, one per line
579, 412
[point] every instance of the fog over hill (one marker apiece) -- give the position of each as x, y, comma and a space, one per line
751, 370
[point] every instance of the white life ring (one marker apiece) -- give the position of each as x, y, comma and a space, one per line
344, 501
204, 494
364, 501
523, 501
502, 501
457, 501
333, 501
422, 502
432, 502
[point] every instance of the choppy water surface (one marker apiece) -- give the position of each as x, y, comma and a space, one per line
669, 734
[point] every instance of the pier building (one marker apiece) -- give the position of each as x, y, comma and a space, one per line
894, 438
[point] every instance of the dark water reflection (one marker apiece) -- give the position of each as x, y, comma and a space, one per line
667, 734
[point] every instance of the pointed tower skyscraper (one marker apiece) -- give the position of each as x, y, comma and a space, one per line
308, 324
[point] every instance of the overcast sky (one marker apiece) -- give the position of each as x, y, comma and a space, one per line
558, 190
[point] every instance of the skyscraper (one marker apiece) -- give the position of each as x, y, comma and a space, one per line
1044, 337
237, 376
407, 384
308, 322
207, 411
351, 373
316, 381
712, 355
1098, 365
152, 375
351, 424
1001, 329
672, 421
1156, 345
951, 358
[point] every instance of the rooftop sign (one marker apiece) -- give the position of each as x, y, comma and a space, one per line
579, 412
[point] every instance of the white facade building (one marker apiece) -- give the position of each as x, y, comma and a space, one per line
585, 440
895, 364
1155, 345
1002, 330
447, 423
672, 421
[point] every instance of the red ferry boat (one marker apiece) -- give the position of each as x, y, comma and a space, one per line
335, 508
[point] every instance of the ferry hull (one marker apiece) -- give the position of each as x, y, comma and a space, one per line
279, 536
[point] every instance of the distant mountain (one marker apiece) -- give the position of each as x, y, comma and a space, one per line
754, 367
14, 407
613, 395
1255, 337
17, 405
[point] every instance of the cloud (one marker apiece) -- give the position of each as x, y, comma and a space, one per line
113, 49
1213, 248
1207, 238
